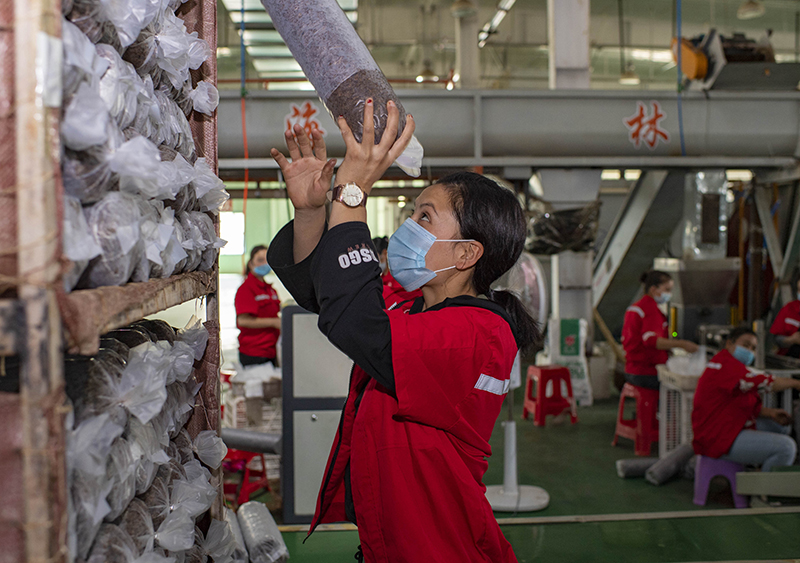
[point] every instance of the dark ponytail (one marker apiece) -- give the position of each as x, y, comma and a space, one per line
492, 216
653, 278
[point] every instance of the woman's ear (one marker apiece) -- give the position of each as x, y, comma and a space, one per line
469, 253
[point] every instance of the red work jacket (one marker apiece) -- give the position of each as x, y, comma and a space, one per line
726, 402
417, 457
644, 324
787, 322
393, 292
258, 298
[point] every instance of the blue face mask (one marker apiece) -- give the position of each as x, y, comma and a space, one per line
408, 247
262, 270
744, 355
663, 298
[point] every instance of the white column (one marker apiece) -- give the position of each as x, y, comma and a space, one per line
467, 52
568, 38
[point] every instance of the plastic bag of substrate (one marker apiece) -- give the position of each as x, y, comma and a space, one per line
184, 444
79, 246
146, 447
121, 472
119, 87
239, 554
114, 224
156, 498
112, 545
81, 62
670, 465
204, 98
176, 532
195, 497
340, 67
261, 535
89, 502
210, 448
219, 543
138, 524
85, 120
195, 335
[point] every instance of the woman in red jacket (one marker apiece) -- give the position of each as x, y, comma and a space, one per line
428, 383
645, 334
728, 420
786, 328
257, 312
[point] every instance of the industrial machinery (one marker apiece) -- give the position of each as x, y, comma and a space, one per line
715, 62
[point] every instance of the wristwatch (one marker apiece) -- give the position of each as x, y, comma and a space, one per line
349, 194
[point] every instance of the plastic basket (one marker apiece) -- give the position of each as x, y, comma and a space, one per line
676, 380
674, 417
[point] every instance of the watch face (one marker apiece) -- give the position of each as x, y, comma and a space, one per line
351, 195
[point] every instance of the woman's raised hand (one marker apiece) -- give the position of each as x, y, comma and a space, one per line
366, 162
308, 175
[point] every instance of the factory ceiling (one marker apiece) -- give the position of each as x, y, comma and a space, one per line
404, 34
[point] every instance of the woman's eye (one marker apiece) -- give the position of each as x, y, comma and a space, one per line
424, 217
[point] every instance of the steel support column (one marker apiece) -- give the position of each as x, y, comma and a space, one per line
568, 38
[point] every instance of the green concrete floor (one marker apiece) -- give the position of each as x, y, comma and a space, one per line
575, 464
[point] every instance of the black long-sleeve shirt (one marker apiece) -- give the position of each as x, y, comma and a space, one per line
341, 281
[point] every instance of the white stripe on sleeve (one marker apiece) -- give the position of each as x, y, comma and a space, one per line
493, 385
635, 309
647, 335
793, 322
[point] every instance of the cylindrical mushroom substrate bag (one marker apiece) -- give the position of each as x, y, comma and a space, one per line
341, 68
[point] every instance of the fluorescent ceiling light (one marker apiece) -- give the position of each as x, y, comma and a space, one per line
224, 51
250, 17
750, 9
497, 19
610, 175
632, 175
739, 175
267, 65
260, 36
277, 51
505, 5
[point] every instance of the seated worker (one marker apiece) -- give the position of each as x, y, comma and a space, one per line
393, 292
786, 327
645, 336
728, 419
258, 310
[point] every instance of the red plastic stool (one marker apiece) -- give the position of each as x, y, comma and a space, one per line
239, 461
643, 430
543, 404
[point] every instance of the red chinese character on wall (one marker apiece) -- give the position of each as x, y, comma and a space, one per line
644, 127
305, 116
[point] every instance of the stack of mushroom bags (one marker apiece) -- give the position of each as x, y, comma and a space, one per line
139, 199
140, 486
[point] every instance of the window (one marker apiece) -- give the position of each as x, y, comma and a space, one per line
231, 228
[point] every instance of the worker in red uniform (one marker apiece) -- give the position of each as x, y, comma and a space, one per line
393, 293
645, 333
728, 419
408, 459
786, 327
257, 312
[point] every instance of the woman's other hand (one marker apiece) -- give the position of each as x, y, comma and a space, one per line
308, 175
366, 162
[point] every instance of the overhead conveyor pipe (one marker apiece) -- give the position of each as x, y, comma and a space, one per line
248, 441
